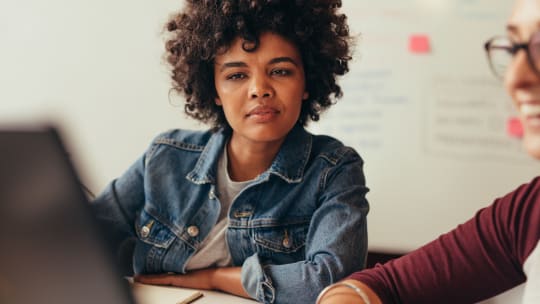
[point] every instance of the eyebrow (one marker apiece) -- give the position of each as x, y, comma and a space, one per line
237, 64
514, 29
283, 59
232, 64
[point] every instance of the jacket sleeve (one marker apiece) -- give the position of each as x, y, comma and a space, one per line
115, 209
336, 243
477, 260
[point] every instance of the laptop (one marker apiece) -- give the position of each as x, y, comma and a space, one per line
51, 248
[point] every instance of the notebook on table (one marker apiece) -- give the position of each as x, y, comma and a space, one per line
51, 248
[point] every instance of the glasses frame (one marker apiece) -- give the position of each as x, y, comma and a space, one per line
513, 49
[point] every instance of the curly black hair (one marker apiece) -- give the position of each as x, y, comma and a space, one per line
204, 28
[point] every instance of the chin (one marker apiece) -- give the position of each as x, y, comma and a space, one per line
531, 143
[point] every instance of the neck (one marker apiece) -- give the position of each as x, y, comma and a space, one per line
248, 160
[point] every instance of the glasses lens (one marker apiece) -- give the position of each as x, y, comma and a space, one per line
534, 50
500, 55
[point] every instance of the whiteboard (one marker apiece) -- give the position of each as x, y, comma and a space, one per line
430, 123
430, 126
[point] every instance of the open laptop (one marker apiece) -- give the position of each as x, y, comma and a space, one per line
51, 249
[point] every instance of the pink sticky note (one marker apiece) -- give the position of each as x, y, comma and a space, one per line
514, 127
419, 44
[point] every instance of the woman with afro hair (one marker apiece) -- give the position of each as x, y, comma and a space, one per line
255, 206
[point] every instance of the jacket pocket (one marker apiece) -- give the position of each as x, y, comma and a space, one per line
280, 239
153, 232
154, 240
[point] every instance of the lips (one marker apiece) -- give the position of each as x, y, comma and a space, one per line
263, 114
263, 110
530, 109
528, 101
530, 113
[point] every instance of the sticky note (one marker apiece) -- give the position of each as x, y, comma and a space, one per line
514, 127
419, 44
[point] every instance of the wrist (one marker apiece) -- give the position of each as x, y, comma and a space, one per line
220, 277
348, 291
210, 277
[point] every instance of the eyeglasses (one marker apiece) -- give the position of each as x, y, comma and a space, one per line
501, 51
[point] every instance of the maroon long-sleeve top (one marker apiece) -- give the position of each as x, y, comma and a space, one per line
477, 260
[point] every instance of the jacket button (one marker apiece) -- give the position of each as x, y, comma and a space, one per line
193, 231
286, 242
145, 231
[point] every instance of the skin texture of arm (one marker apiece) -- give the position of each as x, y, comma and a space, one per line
345, 295
225, 279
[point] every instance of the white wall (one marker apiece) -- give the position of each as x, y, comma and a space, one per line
94, 68
431, 126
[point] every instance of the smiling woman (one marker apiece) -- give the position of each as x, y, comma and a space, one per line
255, 206
497, 249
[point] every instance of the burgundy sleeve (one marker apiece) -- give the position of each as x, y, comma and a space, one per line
475, 261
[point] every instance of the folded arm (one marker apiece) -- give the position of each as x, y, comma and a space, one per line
225, 279
335, 246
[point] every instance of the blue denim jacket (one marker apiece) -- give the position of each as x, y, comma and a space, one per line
300, 226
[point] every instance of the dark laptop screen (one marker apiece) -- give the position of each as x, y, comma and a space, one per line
51, 250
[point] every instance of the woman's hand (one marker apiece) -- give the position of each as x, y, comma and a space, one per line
341, 294
225, 279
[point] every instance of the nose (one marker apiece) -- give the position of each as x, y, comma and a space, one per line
520, 72
260, 87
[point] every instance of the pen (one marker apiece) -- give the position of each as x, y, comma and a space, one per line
192, 298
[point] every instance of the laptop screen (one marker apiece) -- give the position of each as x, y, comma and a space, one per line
51, 248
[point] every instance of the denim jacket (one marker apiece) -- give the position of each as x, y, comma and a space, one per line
301, 225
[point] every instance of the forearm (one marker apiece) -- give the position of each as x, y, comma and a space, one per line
340, 293
287, 283
474, 258
228, 280
224, 279
334, 249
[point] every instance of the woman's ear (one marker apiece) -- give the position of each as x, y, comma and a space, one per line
305, 95
217, 101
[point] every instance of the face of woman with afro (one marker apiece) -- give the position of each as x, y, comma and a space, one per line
262, 90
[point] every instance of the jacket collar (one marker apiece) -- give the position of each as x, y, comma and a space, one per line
293, 156
205, 168
289, 163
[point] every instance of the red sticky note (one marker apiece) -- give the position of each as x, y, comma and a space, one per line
419, 44
514, 127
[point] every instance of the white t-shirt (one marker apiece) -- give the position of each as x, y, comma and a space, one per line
531, 267
214, 251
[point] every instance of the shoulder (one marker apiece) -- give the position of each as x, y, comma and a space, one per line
523, 202
333, 150
191, 140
